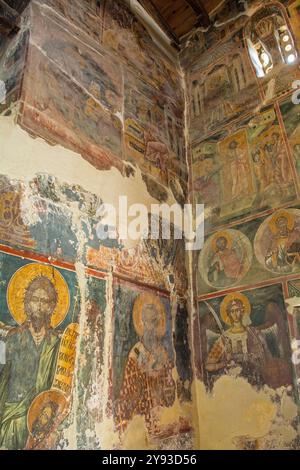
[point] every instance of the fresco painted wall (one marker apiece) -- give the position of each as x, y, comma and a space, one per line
93, 111
243, 138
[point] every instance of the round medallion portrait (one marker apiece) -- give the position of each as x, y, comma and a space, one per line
225, 258
277, 242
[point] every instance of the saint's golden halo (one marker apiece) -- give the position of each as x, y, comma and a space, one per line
44, 398
218, 235
148, 298
281, 214
19, 283
229, 298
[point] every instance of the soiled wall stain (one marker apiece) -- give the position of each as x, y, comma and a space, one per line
236, 416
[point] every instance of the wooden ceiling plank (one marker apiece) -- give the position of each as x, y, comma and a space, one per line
200, 11
9, 21
164, 23
172, 10
180, 13
184, 17
168, 7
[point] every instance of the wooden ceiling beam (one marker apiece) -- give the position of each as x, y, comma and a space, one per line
167, 28
200, 11
9, 19
18, 5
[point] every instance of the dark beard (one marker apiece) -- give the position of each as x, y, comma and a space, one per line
40, 431
37, 323
150, 340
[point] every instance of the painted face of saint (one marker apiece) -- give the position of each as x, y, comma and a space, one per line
233, 145
282, 226
275, 138
221, 243
40, 302
150, 319
236, 311
45, 419
45, 416
256, 156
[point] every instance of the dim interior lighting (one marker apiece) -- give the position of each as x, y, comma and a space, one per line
291, 58
288, 48
286, 38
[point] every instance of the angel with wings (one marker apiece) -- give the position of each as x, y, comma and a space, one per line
247, 347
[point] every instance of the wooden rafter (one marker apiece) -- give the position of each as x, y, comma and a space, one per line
163, 22
9, 19
200, 11
18, 5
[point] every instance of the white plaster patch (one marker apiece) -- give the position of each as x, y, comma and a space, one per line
22, 157
236, 412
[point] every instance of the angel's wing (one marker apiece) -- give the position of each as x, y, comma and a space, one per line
211, 338
270, 331
270, 336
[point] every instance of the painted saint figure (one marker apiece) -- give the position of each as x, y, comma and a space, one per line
241, 345
156, 152
46, 412
239, 168
226, 266
148, 381
297, 157
31, 351
44, 421
283, 252
282, 173
260, 169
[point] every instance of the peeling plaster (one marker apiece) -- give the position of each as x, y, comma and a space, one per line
235, 414
22, 157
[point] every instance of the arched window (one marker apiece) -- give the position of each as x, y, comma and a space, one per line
269, 40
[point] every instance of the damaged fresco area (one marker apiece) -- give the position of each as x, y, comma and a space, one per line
247, 386
254, 251
48, 211
42, 210
143, 358
244, 172
245, 331
238, 417
40, 306
144, 374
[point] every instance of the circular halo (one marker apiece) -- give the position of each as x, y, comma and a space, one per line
19, 283
141, 301
282, 214
40, 401
221, 235
229, 298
